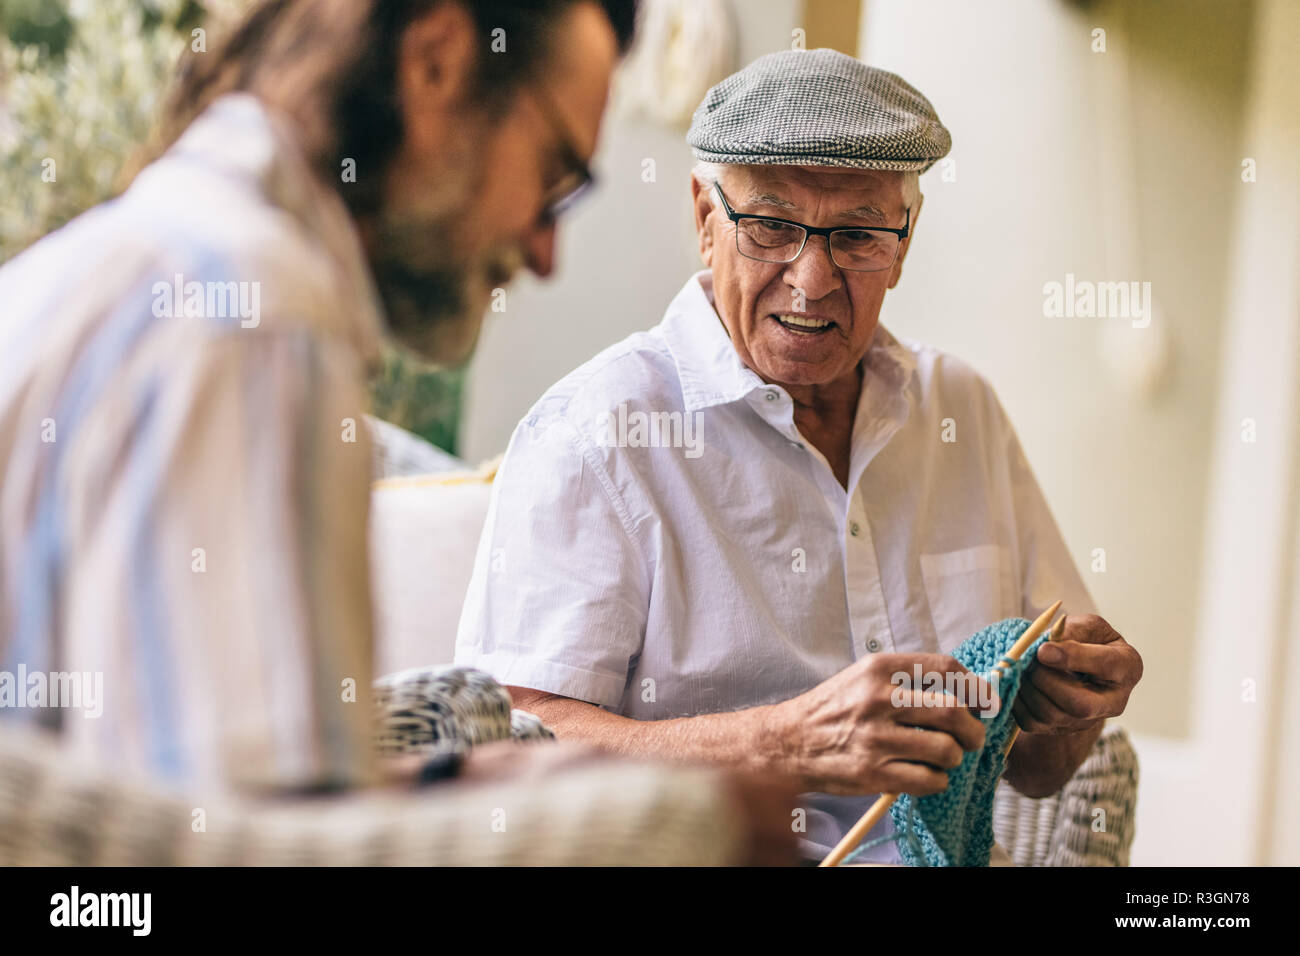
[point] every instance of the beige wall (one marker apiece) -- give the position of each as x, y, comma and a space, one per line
1058, 171
1127, 165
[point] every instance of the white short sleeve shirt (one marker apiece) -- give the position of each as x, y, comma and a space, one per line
663, 542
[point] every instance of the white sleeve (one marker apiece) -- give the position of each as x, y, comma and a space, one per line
560, 593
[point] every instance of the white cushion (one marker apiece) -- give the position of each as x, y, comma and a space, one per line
424, 532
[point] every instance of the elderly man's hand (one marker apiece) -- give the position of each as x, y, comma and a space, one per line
862, 731
1080, 680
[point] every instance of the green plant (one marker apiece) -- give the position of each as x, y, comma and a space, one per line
80, 85
418, 398
81, 82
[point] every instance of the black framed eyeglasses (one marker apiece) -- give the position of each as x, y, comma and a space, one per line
769, 239
578, 178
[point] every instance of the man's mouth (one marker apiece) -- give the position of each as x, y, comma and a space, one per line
803, 324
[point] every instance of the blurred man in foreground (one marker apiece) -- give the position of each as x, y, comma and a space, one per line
185, 491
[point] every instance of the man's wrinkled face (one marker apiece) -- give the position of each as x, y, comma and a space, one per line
807, 322
465, 200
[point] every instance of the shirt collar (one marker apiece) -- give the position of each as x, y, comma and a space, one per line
711, 373
238, 136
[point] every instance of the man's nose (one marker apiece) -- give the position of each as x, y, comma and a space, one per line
814, 271
539, 250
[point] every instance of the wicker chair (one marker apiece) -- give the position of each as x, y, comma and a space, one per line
55, 811
1088, 823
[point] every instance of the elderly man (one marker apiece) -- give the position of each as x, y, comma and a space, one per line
721, 538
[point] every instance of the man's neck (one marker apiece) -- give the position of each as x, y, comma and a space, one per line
831, 400
824, 415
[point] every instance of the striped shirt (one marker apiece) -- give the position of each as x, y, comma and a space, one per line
184, 496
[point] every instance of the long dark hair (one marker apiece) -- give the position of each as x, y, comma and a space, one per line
330, 65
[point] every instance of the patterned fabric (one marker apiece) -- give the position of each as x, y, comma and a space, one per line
955, 827
433, 710
817, 108
1067, 829
399, 453
183, 504
526, 726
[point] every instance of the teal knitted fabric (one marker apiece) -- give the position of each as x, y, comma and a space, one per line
955, 827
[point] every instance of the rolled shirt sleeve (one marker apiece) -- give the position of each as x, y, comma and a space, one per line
559, 595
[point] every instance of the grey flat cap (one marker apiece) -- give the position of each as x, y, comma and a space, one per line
817, 108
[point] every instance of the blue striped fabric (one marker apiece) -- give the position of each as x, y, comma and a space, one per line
184, 492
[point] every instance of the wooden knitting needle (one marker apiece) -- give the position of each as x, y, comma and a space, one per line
1058, 630
886, 800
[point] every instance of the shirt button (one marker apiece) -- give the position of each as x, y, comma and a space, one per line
771, 396
873, 645
854, 529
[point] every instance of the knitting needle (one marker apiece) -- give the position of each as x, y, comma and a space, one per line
886, 800
1058, 630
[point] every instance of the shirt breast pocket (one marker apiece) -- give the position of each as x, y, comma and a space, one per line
968, 590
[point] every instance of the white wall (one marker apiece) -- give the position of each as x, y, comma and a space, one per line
1126, 165
1244, 751
1057, 172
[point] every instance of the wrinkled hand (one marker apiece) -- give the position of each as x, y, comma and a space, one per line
1079, 681
861, 731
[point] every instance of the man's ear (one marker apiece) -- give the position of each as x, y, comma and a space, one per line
436, 60
906, 244
703, 209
